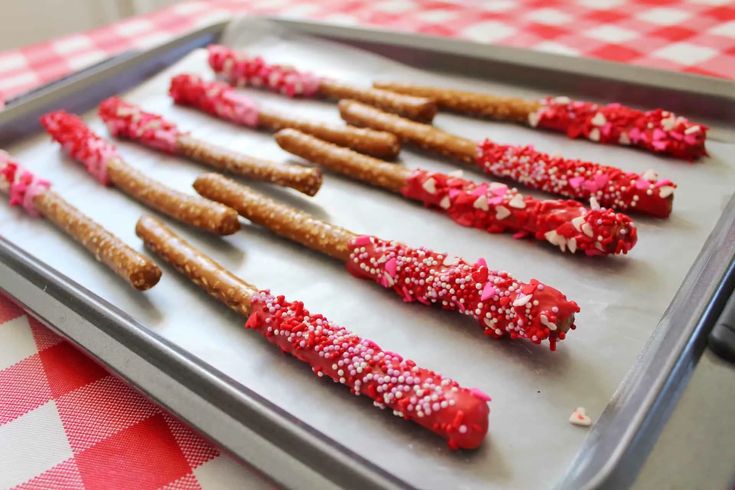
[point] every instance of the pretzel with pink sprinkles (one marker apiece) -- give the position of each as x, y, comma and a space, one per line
22, 186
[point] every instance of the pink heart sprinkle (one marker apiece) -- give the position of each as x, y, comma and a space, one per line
390, 267
642, 183
576, 182
488, 291
362, 240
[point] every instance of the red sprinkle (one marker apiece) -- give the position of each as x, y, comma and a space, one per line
496, 208
501, 304
216, 98
241, 69
657, 131
609, 186
458, 414
22, 186
126, 120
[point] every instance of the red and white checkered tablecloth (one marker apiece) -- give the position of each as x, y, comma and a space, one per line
65, 422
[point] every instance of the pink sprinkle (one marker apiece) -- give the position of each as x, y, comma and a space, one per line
642, 183
488, 291
362, 240
576, 182
481, 262
390, 267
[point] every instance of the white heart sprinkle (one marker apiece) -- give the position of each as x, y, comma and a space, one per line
599, 119
587, 230
624, 139
522, 299
562, 99
481, 203
456, 173
545, 322
501, 212
579, 417
668, 123
450, 260
572, 244
665, 191
577, 222
650, 174
552, 236
496, 185
429, 186
595, 134
534, 118
594, 204
517, 202
692, 130
445, 203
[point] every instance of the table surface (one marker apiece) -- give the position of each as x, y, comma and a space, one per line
65, 421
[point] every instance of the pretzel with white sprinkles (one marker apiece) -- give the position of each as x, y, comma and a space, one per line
502, 305
102, 161
493, 207
239, 68
439, 404
35, 196
223, 101
658, 131
126, 120
603, 185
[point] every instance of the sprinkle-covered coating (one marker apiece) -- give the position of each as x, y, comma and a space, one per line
609, 186
127, 120
244, 70
501, 304
492, 207
657, 131
221, 100
34, 194
441, 405
80, 141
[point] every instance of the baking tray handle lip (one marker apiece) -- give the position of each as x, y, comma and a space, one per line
231, 397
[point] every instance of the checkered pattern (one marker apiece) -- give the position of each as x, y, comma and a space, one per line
696, 36
65, 422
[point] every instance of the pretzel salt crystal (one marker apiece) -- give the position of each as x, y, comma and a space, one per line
502, 305
439, 404
657, 131
609, 186
222, 101
492, 207
242, 69
127, 120
34, 195
103, 162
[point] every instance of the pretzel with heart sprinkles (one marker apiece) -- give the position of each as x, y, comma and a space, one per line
242, 69
222, 101
439, 404
658, 131
492, 207
603, 185
89, 148
502, 305
126, 120
34, 195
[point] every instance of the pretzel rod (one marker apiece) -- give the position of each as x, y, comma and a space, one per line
657, 131
222, 101
103, 162
502, 305
439, 404
492, 207
242, 69
604, 185
125, 120
34, 195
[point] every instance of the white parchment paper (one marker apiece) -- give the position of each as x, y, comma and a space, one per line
533, 390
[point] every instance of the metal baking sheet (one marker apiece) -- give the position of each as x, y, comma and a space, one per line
623, 299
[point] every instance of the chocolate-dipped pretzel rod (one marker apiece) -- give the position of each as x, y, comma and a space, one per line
222, 101
439, 404
609, 186
125, 120
489, 206
103, 162
242, 69
502, 305
657, 131
33, 194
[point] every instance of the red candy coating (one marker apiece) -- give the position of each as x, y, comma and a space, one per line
216, 98
21, 185
501, 304
496, 208
657, 131
611, 187
126, 120
458, 414
241, 69
81, 143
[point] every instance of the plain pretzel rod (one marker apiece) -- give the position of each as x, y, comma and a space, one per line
239, 68
607, 186
126, 120
502, 305
105, 164
35, 196
221, 100
493, 207
658, 131
439, 404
